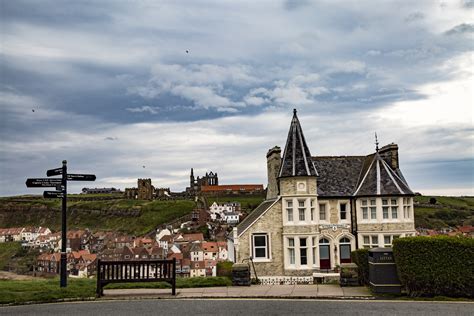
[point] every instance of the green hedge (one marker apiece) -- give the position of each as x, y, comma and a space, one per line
361, 258
431, 266
224, 269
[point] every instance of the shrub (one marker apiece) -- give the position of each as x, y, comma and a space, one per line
361, 258
432, 200
224, 268
433, 266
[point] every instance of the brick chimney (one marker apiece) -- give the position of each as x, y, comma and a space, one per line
389, 153
273, 167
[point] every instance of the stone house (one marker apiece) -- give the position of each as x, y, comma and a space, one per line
319, 209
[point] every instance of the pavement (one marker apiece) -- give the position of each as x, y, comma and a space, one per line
254, 291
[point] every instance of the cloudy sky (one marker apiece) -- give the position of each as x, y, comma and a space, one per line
129, 89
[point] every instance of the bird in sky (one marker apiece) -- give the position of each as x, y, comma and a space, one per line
143, 166
32, 110
187, 51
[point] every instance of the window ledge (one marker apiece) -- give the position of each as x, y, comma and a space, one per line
306, 267
261, 260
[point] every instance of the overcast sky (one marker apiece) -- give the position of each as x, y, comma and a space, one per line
149, 89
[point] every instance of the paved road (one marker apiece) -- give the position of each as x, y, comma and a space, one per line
243, 308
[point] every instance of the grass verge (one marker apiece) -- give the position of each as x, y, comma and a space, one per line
44, 291
48, 290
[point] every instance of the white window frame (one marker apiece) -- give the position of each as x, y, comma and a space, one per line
312, 210
267, 247
372, 207
345, 211
371, 241
289, 211
301, 210
364, 206
291, 251
389, 205
293, 245
325, 212
391, 239
314, 248
305, 247
407, 206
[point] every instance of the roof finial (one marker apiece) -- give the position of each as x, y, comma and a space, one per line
376, 143
294, 111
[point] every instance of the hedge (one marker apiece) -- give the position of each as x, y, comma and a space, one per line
224, 268
361, 258
432, 266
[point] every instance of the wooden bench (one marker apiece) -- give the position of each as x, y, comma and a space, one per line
135, 271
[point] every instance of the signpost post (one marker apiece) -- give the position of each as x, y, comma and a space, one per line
61, 192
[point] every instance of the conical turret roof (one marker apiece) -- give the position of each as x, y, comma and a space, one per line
378, 178
296, 159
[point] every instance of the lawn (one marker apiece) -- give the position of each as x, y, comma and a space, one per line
48, 290
44, 290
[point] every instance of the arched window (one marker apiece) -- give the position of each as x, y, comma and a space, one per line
344, 240
323, 241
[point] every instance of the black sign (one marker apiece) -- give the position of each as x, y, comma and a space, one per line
54, 172
42, 182
80, 177
53, 194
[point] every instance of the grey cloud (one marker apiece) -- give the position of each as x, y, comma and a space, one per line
415, 16
85, 63
461, 29
295, 4
468, 4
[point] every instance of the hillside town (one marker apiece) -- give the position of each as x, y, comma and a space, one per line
195, 256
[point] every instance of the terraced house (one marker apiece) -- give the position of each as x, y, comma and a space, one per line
319, 209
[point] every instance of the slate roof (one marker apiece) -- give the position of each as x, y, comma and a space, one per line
247, 222
378, 178
296, 160
338, 175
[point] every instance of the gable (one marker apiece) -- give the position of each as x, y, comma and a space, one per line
255, 215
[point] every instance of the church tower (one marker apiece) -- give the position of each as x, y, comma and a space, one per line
191, 179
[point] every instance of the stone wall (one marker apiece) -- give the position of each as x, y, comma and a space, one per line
273, 166
271, 223
386, 227
292, 186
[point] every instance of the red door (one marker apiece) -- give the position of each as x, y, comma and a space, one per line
324, 257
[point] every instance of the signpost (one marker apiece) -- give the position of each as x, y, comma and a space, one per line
53, 194
61, 186
42, 182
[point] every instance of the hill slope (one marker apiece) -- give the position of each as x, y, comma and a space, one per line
107, 212
129, 216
